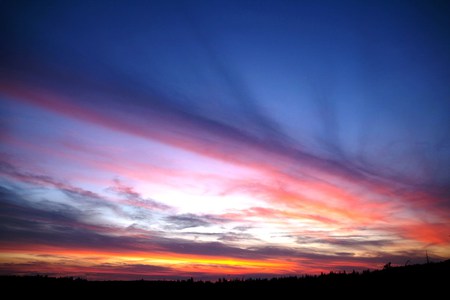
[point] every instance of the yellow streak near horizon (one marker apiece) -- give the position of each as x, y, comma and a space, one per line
176, 261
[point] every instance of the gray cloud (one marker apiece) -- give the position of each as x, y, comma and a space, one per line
355, 242
89, 205
191, 220
41, 180
236, 237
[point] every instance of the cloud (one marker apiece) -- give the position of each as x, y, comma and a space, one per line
52, 224
351, 242
154, 109
236, 237
25, 225
135, 199
183, 221
45, 181
45, 231
15, 209
92, 272
90, 206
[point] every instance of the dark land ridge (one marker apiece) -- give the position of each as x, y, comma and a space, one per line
430, 280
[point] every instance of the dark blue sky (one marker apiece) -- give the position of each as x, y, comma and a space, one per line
347, 78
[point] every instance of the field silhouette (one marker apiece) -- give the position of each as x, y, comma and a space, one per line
431, 279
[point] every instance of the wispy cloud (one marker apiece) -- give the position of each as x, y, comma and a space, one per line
190, 220
135, 199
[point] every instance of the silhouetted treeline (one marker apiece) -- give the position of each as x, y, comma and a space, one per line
428, 279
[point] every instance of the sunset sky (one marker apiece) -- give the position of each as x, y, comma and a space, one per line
205, 139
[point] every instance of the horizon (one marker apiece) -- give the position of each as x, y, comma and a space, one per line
419, 269
206, 138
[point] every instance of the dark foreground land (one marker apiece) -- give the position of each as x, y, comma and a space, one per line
430, 280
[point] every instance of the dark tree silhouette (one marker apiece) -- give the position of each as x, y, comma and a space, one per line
411, 280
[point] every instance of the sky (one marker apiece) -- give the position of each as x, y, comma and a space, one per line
207, 139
